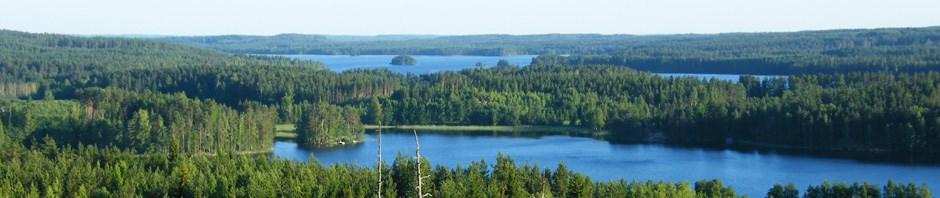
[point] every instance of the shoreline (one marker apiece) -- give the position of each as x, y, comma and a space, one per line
287, 131
496, 128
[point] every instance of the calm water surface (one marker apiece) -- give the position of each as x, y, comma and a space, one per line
425, 64
750, 173
432, 64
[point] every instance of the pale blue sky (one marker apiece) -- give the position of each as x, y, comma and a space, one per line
362, 17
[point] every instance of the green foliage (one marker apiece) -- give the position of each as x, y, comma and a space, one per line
189, 140
4, 139
375, 115
888, 49
714, 188
143, 122
845, 190
139, 125
896, 190
857, 112
781, 191
92, 171
403, 60
288, 110
503, 63
327, 125
829, 42
51, 66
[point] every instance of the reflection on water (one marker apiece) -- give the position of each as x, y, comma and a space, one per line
748, 172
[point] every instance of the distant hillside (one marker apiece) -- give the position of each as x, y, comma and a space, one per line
29, 60
887, 49
894, 50
486, 45
730, 44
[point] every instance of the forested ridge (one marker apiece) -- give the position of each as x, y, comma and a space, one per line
810, 52
142, 122
864, 112
30, 62
107, 116
784, 53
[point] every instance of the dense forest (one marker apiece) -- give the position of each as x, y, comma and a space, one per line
812, 52
144, 122
30, 62
51, 170
325, 125
871, 112
403, 60
866, 112
829, 51
107, 116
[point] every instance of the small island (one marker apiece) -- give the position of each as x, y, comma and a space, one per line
403, 60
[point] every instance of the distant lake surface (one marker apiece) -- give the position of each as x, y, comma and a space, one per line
432, 64
425, 64
751, 173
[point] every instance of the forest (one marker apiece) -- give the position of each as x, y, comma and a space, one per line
326, 125
51, 170
110, 117
142, 122
805, 52
868, 112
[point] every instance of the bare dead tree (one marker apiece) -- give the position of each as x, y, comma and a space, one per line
379, 133
418, 167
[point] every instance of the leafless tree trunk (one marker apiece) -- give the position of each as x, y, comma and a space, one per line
379, 133
418, 167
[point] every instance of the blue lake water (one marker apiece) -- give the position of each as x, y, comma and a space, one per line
432, 64
425, 64
751, 173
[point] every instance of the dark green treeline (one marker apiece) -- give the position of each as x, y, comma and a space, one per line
867, 112
326, 125
782, 53
45, 171
144, 122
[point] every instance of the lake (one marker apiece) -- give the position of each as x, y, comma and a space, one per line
432, 64
425, 64
751, 173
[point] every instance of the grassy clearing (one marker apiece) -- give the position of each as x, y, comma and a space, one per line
285, 127
286, 131
289, 135
507, 129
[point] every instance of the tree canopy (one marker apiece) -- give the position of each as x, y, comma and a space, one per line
403, 60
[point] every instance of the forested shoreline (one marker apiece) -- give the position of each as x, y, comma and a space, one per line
108, 116
879, 112
50, 170
142, 122
781, 53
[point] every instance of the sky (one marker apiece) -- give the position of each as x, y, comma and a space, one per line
452, 17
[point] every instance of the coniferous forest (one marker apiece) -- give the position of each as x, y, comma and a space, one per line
806, 52
124, 117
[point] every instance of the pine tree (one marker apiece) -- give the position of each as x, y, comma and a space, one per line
375, 111
3, 135
140, 130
